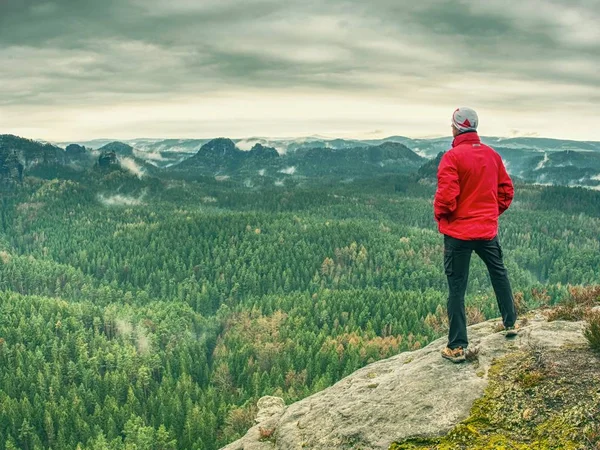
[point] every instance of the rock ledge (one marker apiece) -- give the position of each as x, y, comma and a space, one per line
411, 394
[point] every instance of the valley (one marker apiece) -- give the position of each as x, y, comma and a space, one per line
147, 307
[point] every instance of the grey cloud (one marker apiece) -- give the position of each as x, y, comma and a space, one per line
76, 51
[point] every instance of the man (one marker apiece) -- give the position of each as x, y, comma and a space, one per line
473, 190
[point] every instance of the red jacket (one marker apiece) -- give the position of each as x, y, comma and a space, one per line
473, 190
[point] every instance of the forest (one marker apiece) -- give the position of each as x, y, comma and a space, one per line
147, 313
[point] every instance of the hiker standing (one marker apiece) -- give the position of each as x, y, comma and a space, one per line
473, 190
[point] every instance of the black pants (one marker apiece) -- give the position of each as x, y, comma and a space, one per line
457, 257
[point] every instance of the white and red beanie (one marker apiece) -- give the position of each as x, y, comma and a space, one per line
465, 119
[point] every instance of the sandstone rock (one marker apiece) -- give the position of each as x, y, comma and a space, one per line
411, 394
108, 159
75, 150
268, 407
270, 410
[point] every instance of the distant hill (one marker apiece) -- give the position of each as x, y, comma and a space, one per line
158, 152
567, 168
557, 167
11, 169
27, 157
427, 147
259, 151
534, 160
428, 171
544, 144
119, 148
31, 153
389, 157
75, 150
222, 157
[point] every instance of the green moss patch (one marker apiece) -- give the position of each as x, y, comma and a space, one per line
535, 399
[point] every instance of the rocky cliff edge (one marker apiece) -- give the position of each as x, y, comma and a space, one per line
413, 394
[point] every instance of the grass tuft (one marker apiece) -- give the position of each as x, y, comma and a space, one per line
266, 434
579, 304
472, 354
592, 331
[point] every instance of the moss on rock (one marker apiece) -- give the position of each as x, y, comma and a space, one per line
534, 400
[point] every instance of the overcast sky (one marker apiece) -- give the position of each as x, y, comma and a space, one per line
82, 69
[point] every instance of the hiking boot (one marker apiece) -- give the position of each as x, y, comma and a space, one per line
456, 355
509, 332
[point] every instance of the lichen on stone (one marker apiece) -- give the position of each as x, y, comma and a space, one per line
533, 401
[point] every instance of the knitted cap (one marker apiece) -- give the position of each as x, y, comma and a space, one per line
465, 119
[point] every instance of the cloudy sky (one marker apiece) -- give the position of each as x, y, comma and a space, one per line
82, 69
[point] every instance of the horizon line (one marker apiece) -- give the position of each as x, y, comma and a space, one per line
316, 137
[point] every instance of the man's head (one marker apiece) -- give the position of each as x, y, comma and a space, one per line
464, 119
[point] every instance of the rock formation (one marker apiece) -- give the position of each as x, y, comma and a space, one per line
31, 153
11, 169
108, 160
412, 394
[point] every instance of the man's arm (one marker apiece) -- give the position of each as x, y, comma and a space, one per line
506, 190
448, 187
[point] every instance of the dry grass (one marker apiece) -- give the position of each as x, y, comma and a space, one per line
592, 331
585, 295
266, 434
569, 311
472, 354
538, 354
519, 302
499, 327
474, 315
579, 304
